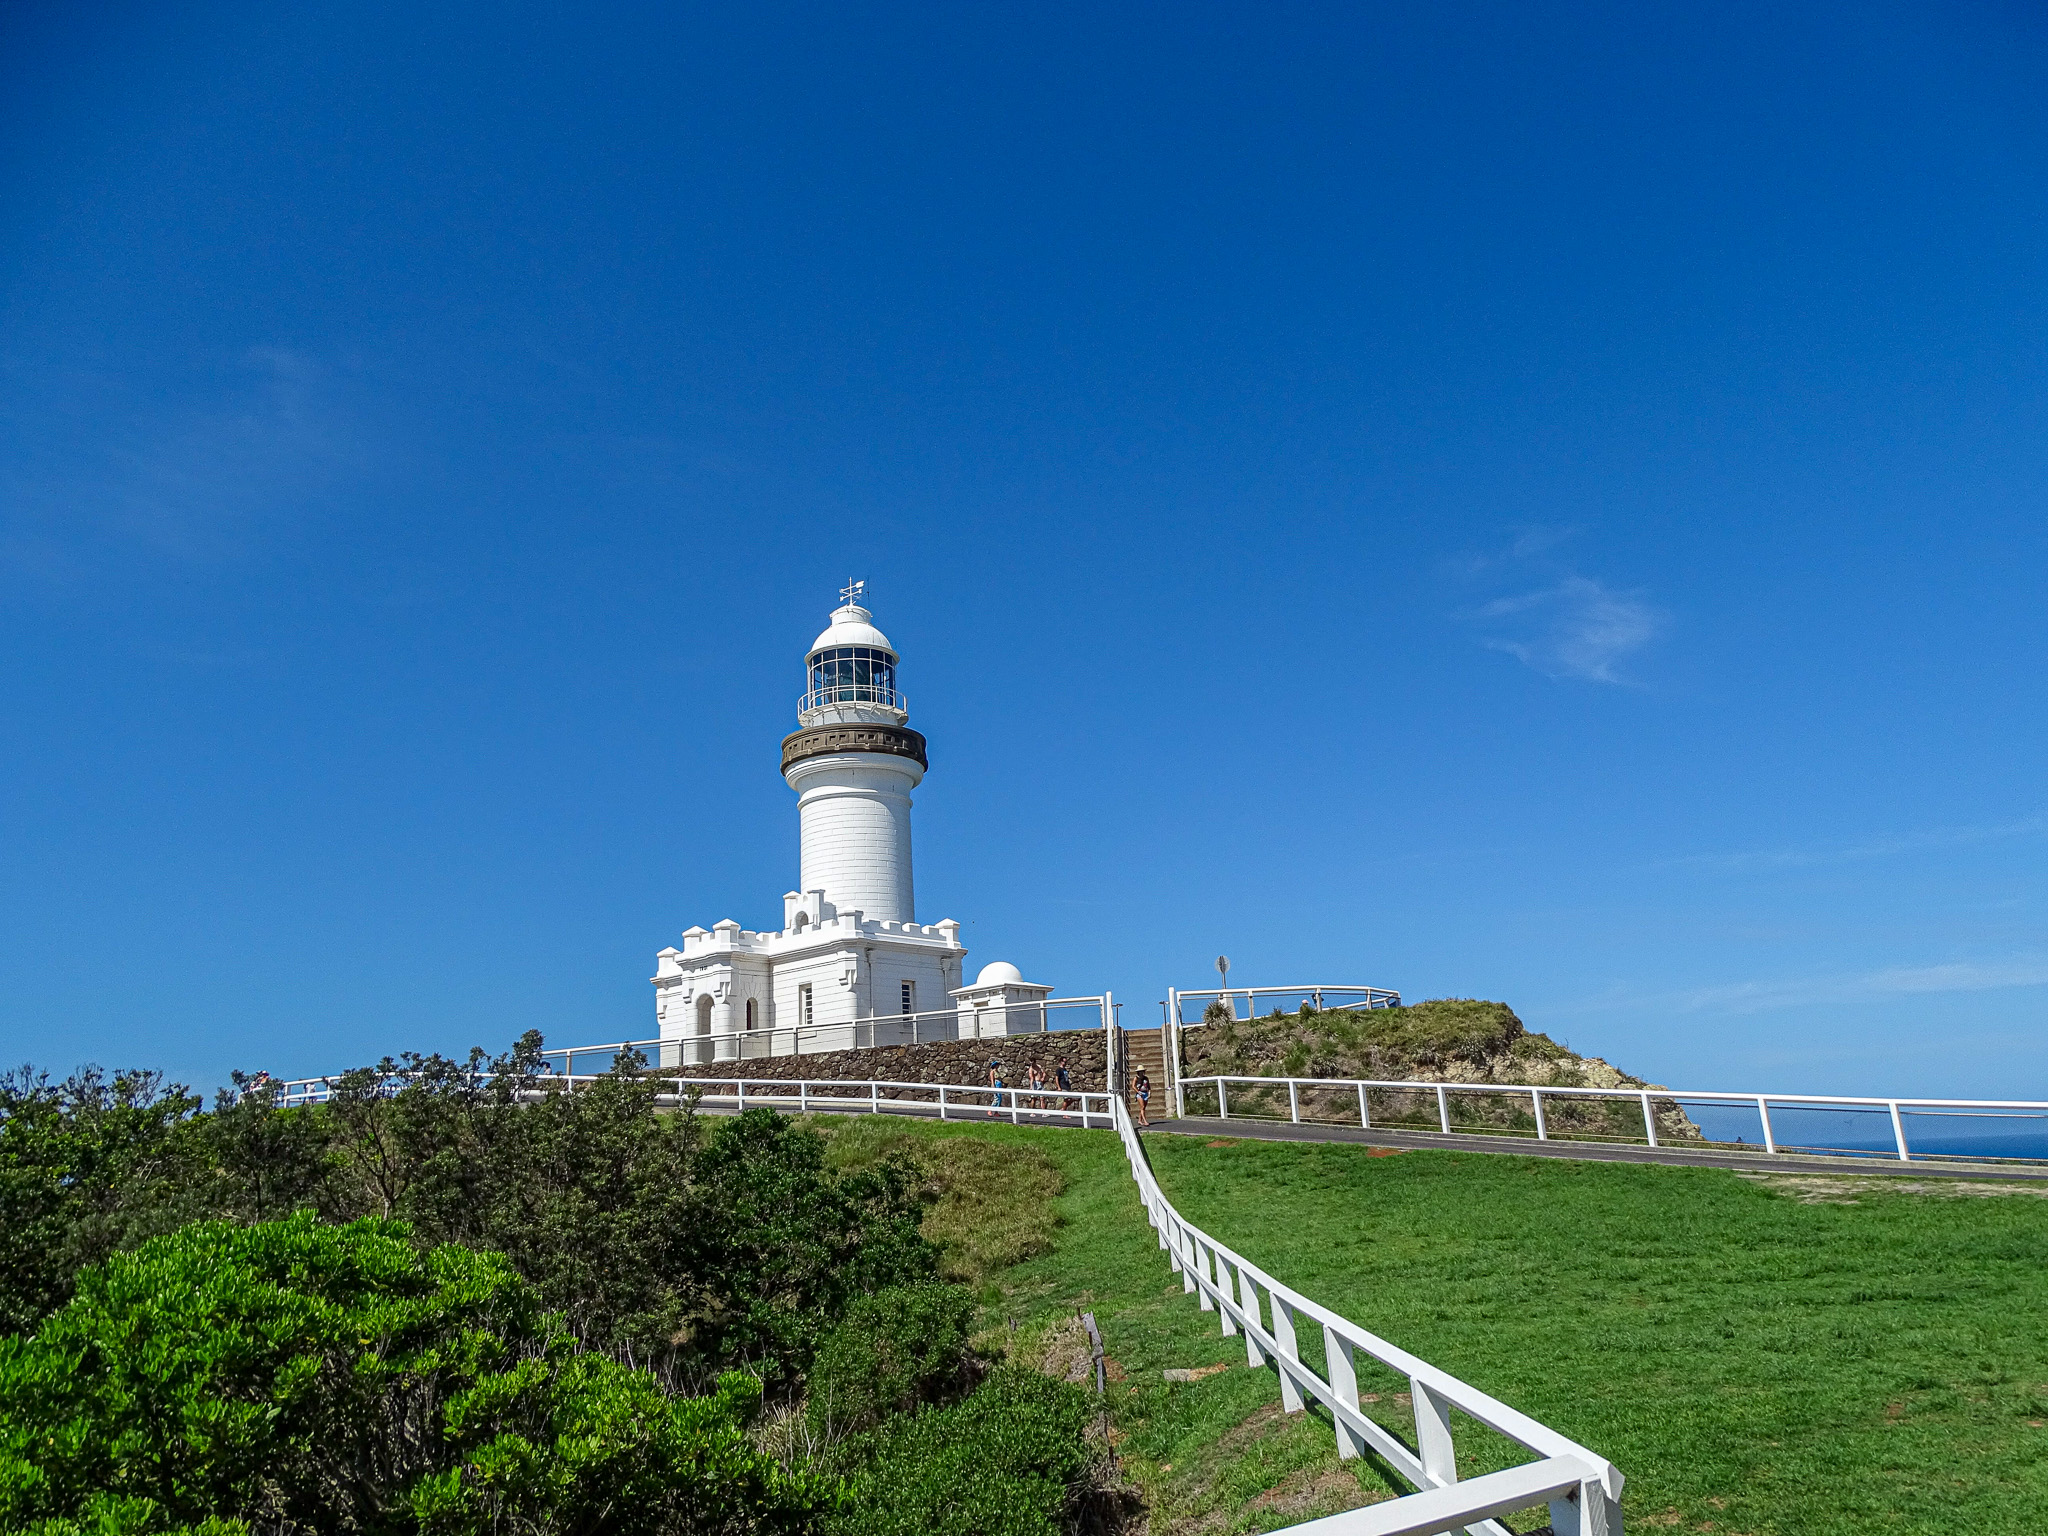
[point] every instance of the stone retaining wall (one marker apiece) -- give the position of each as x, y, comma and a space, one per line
940, 1061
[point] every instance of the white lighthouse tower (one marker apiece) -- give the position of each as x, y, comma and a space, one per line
853, 766
851, 964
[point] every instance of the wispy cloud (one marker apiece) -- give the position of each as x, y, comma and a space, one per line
1876, 848
1761, 996
1559, 621
190, 469
1574, 628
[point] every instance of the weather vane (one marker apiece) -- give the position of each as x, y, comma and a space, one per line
852, 592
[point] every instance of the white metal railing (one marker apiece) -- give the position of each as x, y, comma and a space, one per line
853, 693
1021, 1104
994, 1022
1582, 1489
1897, 1111
1317, 997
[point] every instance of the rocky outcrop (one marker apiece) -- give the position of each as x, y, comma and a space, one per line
940, 1061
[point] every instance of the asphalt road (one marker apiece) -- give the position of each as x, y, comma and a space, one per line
1527, 1146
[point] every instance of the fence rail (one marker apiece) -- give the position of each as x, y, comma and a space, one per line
1543, 1098
1582, 1489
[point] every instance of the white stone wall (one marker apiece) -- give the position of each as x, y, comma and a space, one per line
853, 811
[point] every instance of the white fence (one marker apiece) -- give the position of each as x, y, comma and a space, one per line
1582, 1489
1896, 1112
1020, 1104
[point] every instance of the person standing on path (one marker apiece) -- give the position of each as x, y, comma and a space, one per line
1144, 1089
1037, 1081
1065, 1083
995, 1081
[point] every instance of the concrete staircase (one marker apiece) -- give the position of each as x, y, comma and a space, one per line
1145, 1050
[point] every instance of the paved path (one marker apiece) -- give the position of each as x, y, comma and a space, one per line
1599, 1152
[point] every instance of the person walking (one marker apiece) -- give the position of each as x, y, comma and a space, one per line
995, 1081
1037, 1100
1066, 1083
1144, 1087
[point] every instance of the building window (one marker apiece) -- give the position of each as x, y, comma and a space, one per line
750, 1013
910, 997
803, 997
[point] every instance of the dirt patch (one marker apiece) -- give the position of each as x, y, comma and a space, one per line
1193, 1373
1311, 1492
1849, 1188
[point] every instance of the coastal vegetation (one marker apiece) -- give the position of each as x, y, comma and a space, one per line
459, 1298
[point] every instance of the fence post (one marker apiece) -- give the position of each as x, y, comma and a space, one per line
1649, 1121
1169, 1040
1222, 1104
1542, 1129
1443, 1109
1343, 1371
1899, 1133
874, 1097
1433, 1435
1248, 1299
1226, 1284
1293, 1103
1364, 1111
741, 1097
1592, 1513
1205, 1268
1763, 1110
1283, 1335
942, 1101
803, 1096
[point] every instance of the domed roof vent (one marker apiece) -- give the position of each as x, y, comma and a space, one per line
998, 973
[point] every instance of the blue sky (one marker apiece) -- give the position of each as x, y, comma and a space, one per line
1540, 503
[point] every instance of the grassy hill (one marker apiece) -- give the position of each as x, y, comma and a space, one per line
1775, 1357
1445, 1040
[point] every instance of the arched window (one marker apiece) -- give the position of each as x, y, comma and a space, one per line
801, 919
704, 1025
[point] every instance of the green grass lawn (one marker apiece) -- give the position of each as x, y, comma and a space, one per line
1753, 1360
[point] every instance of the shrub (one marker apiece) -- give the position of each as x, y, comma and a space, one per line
294, 1375
1008, 1461
894, 1352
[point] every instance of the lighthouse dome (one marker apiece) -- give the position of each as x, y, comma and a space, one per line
850, 626
998, 972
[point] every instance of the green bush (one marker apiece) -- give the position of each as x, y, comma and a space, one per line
294, 1375
1008, 1461
684, 1250
893, 1352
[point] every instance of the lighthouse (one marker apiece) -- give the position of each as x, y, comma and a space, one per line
853, 765
850, 966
